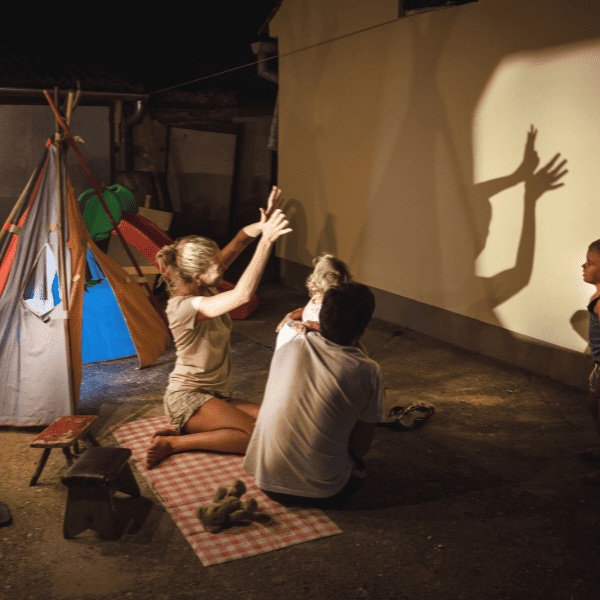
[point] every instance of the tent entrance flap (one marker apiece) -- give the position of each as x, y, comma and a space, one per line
41, 289
104, 333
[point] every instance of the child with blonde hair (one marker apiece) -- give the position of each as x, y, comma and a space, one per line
328, 271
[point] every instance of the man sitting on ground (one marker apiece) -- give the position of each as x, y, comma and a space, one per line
322, 402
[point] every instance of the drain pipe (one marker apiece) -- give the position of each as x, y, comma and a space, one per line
262, 50
124, 127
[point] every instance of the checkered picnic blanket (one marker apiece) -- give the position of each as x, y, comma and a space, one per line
187, 480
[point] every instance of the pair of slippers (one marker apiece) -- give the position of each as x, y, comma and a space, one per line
408, 418
5, 516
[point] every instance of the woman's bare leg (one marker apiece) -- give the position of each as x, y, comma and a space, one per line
217, 426
250, 408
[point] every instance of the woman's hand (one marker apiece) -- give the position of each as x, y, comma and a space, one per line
275, 226
274, 200
255, 229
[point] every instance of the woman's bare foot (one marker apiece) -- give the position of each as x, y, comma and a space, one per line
161, 448
166, 431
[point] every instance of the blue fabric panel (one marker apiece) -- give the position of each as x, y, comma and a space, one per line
104, 333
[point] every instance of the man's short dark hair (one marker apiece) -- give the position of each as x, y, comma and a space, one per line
346, 311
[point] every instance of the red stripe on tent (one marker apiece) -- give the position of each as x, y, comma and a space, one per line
11, 252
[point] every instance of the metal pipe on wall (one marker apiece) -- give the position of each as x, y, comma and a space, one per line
126, 124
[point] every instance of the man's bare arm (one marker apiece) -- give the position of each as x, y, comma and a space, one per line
360, 439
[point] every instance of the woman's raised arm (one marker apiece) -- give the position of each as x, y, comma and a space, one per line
209, 307
249, 233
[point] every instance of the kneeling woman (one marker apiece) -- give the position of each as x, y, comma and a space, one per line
196, 401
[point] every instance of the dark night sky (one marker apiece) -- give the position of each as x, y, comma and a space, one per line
183, 46
162, 46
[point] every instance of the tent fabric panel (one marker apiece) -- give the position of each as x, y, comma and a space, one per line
34, 379
105, 335
9, 249
43, 377
148, 331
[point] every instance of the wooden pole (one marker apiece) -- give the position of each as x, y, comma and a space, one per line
16, 208
108, 213
64, 296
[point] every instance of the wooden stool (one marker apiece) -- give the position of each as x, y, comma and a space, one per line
63, 433
92, 480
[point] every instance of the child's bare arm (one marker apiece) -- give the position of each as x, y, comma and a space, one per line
249, 233
295, 315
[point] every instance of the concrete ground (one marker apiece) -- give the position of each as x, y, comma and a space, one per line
483, 501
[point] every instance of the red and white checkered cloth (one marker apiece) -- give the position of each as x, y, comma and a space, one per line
187, 480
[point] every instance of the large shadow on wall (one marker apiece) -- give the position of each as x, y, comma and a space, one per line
484, 294
303, 116
440, 219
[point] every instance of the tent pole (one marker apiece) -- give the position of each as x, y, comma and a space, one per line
16, 207
63, 268
108, 213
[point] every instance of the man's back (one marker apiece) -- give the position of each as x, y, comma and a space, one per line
316, 392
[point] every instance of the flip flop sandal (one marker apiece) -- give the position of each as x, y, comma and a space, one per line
414, 415
5, 516
390, 421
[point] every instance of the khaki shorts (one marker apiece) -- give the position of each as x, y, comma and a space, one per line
180, 406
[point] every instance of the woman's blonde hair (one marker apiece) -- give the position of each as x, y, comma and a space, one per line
328, 271
186, 256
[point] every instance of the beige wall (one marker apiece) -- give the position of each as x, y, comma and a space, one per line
24, 132
387, 137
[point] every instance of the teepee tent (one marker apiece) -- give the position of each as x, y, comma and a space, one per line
45, 250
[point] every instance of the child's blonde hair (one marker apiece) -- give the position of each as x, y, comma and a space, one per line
186, 256
328, 271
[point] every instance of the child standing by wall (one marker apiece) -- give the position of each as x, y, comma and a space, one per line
591, 275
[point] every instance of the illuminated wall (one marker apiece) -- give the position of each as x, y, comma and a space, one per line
399, 148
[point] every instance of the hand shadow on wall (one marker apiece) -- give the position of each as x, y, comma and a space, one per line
506, 284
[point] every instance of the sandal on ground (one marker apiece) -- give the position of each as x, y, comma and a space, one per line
413, 415
5, 516
390, 420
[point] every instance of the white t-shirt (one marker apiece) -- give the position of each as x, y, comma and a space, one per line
203, 349
316, 392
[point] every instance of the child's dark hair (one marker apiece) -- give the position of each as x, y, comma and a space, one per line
595, 247
346, 311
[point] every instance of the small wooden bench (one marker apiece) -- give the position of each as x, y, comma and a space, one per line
92, 480
63, 433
